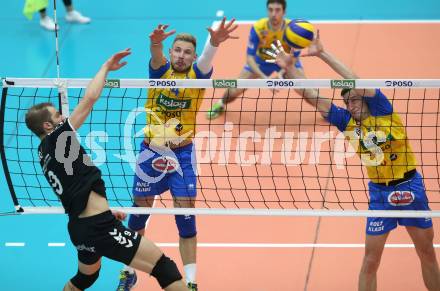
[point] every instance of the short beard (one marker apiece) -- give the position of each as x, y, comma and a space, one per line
181, 71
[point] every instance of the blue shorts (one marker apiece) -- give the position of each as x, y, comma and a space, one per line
269, 68
160, 170
408, 195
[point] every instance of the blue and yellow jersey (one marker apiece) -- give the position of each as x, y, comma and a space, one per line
262, 36
171, 112
380, 139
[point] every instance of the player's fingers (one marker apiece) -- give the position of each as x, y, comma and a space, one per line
280, 46
222, 24
232, 28
234, 37
273, 46
170, 33
165, 26
270, 53
317, 34
230, 23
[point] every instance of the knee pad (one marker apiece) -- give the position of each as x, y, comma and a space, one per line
165, 271
83, 281
137, 221
186, 225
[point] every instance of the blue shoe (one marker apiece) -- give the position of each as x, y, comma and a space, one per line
126, 281
192, 286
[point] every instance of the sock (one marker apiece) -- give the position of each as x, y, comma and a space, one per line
190, 273
128, 269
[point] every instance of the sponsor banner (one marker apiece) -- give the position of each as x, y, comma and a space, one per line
280, 83
112, 83
343, 84
400, 83
224, 83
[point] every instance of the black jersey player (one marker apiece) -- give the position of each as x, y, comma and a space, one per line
94, 230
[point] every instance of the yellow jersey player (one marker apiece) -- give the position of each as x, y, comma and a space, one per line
370, 123
167, 157
263, 33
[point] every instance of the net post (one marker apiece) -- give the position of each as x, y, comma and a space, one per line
18, 208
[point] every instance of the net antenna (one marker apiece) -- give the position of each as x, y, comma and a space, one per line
60, 83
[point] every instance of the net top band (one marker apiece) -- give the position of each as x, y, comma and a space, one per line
226, 83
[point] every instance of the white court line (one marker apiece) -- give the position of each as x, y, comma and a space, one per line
15, 244
56, 244
269, 245
251, 245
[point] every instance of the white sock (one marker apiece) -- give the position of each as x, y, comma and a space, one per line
129, 269
190, 273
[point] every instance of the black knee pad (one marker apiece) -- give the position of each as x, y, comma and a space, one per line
165, 271
83, 281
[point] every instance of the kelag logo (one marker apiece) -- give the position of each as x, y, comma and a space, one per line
224, 83
112, 83
279, 83
342, 84
162, 83
399, 83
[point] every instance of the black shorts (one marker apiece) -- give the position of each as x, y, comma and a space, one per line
103, 235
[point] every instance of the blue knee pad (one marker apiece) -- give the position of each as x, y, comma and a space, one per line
186, 225
137, 221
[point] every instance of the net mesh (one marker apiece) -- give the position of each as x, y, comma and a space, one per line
270, 150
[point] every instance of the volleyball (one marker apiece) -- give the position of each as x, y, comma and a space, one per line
299, 33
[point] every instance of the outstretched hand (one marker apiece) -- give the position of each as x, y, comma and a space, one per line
279, 56
158, 35
222, 32
315, 48
113, 63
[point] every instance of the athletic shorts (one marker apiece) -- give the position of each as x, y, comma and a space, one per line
408, 195
174, 170
103, 235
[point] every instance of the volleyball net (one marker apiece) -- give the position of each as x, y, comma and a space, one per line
271, 153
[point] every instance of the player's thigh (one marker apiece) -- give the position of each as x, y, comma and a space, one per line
184, 202
146, 256
183, 182
422, 237
144, 201
374, 245
89, 269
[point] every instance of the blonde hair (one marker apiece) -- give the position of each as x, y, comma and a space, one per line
187, 38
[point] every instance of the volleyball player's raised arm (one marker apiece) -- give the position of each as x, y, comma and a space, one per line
158, 35
94, 89
287, 63
317, 49
217, 36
